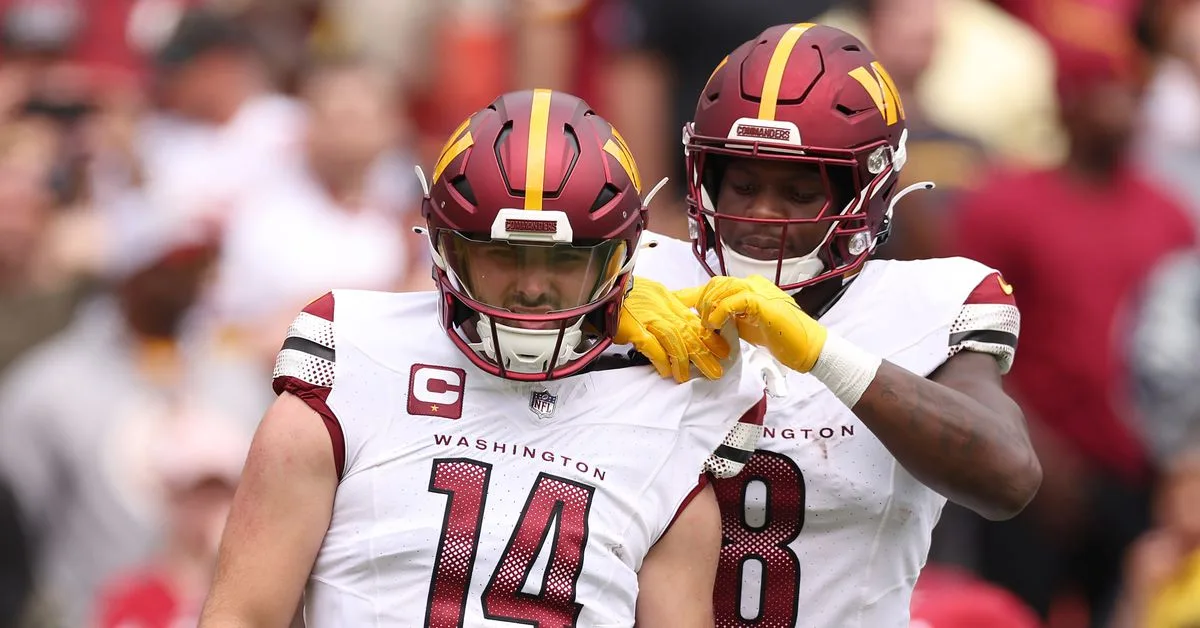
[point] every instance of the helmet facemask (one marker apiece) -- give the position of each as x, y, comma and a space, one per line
855, 181
847, 236
531, 305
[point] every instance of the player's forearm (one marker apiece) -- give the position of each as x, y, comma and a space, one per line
226, 615
232, 606
248, 601
951, 442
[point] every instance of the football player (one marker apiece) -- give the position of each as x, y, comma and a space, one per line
894, 394
464, 457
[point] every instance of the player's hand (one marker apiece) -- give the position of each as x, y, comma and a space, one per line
765, 316
669, 333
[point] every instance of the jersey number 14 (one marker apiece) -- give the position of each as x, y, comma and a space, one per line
552, 499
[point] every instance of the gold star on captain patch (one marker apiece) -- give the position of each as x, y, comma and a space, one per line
434, 408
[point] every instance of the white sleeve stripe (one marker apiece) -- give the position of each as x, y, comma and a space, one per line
313, 328
305, 367
743, 438
988, 317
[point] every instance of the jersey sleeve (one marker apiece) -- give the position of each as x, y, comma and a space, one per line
734, 452
988, 322
731, 455
305, 367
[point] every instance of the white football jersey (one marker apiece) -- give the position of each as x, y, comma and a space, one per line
823, 527
470, 500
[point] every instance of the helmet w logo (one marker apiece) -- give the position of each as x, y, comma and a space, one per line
882, 90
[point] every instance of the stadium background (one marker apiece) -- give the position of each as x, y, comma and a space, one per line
178, 177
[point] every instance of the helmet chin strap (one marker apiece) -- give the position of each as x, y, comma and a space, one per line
791, 270
527, 350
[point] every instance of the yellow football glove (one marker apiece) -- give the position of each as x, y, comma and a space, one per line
668, 333
765, 315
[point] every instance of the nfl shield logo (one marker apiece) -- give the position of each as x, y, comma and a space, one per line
541, 403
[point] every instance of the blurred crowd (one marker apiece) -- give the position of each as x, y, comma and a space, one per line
179, 177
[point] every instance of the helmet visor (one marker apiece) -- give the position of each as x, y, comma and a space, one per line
532, 278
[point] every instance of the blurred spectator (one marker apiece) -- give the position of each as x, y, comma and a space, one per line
223, 131
1172, 111
1097, 25
79, 413
468, 62
38, 289
1162, 570
948, 598
666, 50
41, 27
325, 226
562, 44
1170, 142
54, 70
16, 568
990, 79
284, 31
1076, 242
1162, 584
906, 35
397, 35
199, 462
107, 40
1164, 340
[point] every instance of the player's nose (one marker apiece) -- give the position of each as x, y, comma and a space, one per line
767, 204
533, 282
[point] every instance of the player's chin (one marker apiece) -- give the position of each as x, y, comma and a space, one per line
766, 253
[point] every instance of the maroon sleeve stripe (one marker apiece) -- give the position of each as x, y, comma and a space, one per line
317, 398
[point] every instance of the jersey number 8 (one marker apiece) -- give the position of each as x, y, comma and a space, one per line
762, 512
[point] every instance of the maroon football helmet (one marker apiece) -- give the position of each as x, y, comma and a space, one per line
534, 215
801, 94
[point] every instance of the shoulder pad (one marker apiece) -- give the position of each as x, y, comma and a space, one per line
308, 351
